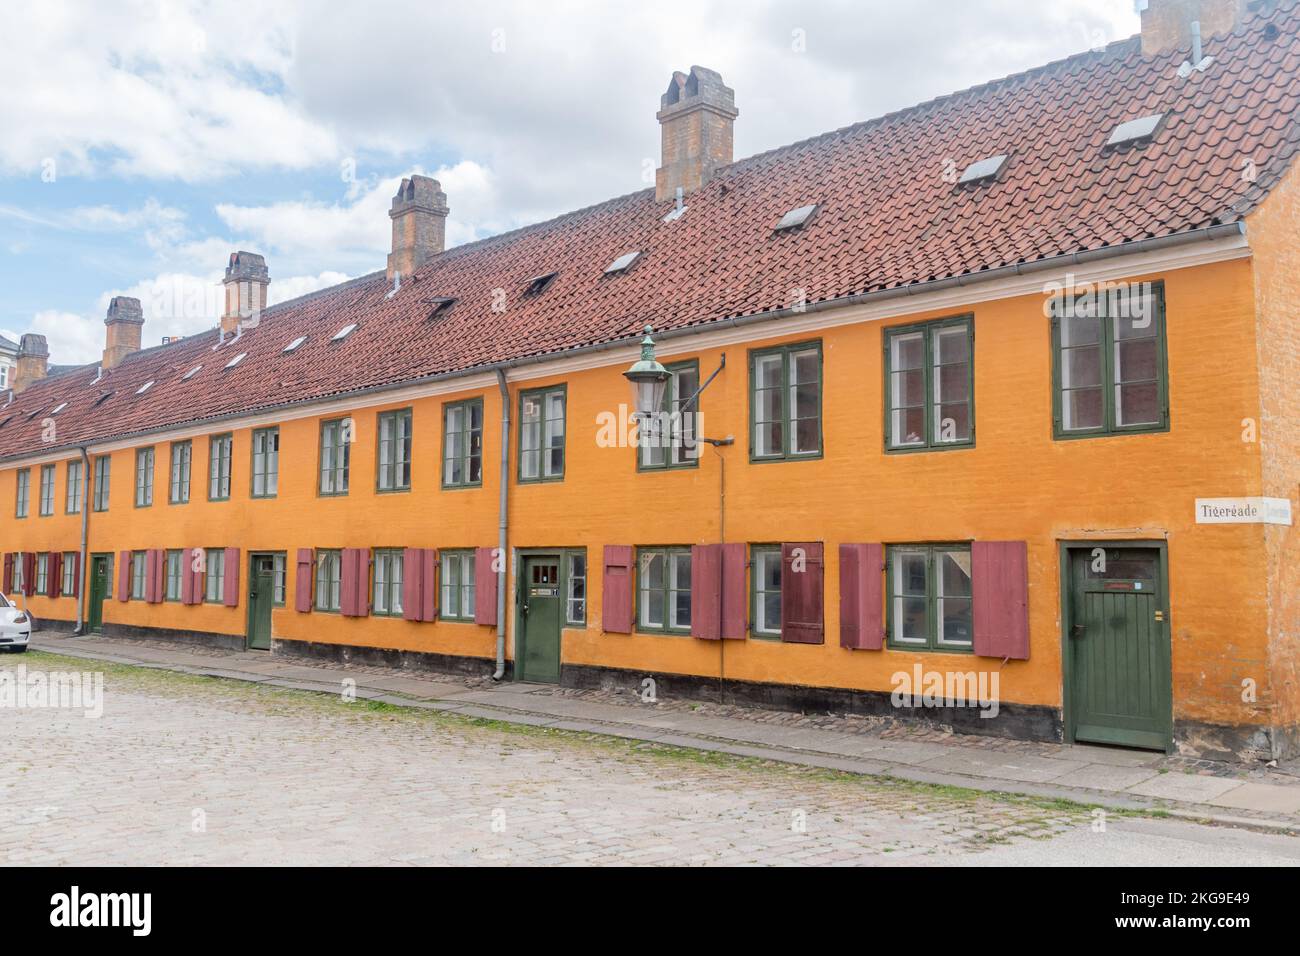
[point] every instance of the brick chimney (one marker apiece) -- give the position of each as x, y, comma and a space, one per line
696, 116
419, 214
1167, 24
125, 321
246, 281
33, 361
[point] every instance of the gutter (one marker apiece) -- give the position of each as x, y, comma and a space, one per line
84, 568
503, 526
1207, 234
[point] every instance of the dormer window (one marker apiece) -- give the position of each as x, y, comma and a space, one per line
984, 169
796, 218
623, 262
1135, 130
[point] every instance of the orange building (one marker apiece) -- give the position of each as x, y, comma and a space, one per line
987, 411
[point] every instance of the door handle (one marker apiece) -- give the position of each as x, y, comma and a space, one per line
1077, 630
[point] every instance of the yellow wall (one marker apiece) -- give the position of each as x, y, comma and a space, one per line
1016, 483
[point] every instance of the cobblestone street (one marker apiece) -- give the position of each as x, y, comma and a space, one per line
184, 769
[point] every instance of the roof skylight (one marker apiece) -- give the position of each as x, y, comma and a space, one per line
58, 408
237, 359
191, 373
676, 213
296, 344
538, 284
145, 387
796, 217
440, 305
983, 169
102, 399
623, 261
1136, 129
344, 332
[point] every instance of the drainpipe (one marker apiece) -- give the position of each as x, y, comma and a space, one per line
503, 525
85, 540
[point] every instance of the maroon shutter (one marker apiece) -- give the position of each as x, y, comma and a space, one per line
9, 574
735, 592
29, 573
429, 586
151, 576
616, 589
198, 558
1000, 590
354, 600
160, 575
231, 569
862, 596
302, 585
124, 576
76, 575
802, 575
187, 579
54, 583
412, 583
706, 591
485, 588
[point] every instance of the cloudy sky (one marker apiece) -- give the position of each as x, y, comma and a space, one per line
142, 142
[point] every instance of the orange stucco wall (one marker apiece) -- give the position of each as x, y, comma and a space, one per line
1016, 483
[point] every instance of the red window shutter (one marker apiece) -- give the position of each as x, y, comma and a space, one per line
616, 589
124, 576
802, 575
413, 584
302, 583
735, 592
862, 625
160, 576
151, 592
198, 558
231, 570
54, 583
485, 588
706, 591
29, 573
1000, 598
429, 586
354, 600
9, 574
76, 575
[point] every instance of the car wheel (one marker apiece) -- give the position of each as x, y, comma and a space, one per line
18, 649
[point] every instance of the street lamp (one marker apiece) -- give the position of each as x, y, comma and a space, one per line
649, 381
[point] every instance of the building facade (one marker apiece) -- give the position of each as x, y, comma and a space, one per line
1012, 444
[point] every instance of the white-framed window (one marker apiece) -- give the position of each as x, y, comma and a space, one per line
458, 586
664, 590
388, 582
766, 585
215, 586
139, 575
329, 578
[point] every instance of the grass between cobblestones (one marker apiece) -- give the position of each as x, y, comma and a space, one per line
273, 700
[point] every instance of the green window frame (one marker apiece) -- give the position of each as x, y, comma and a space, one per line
139, 575
389, 566
462, 444
219, 451
1110, 363
930, 385
73, 499
394, 450
542, 435
182, 459
457, 581
47, 490
575, 603
23, 493
929, 598
329, 580
335, 457
214, 584
671, 441
103, 482
663, 602
144, 468
69, 584
42, 573
175, 572
266, 463
785, 402
765, 591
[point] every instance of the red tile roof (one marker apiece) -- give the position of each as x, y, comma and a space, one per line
887, 218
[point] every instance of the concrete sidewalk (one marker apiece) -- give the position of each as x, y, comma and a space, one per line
1116, 779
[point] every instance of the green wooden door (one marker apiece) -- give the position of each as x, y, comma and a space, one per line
101, 576
1118, 658
261, 598
541, 605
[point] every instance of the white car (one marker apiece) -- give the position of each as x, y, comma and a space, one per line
15, 626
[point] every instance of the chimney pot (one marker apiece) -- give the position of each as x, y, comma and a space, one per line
419, 214
1167, 24
246, 281
696, 116
125, 322
33, 361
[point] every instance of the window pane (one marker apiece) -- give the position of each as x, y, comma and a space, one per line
1078, 328
1136, 361
1081, 367
767, 372
1082, 408
1137, 404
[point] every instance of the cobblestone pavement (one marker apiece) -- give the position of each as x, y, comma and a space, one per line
184, 769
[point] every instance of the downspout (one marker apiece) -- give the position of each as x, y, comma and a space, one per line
503, 525
80, 629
